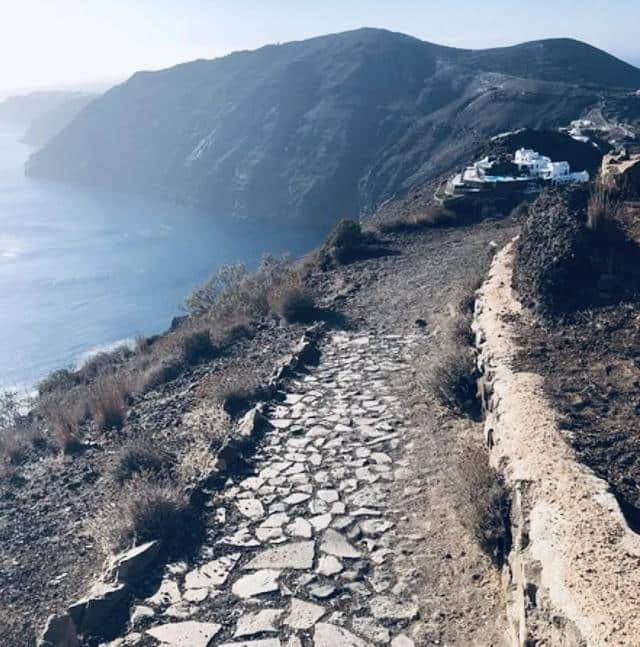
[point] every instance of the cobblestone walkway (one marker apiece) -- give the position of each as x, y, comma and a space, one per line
306, 558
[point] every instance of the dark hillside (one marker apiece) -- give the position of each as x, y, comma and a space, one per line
557, 146
559, 59
319, 129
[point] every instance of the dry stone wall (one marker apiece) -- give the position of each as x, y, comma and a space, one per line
573, 576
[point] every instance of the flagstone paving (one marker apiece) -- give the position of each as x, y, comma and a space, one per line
303, 555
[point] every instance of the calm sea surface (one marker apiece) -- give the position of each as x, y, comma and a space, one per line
82, 269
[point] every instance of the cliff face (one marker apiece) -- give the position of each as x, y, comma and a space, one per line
324, 128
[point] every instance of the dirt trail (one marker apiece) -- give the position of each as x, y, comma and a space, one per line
346, 532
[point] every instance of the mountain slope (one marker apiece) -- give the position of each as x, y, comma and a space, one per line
320, 129
23, 110
44, 126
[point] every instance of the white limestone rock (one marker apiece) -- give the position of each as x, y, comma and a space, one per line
333, 543
295, 555
303, 615
185, 634
263, 581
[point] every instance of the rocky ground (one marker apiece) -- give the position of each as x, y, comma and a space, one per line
54, 505
589, 361
345, 529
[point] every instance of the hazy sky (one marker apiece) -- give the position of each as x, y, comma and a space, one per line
53, 42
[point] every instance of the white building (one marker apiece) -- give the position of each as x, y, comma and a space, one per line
539, 166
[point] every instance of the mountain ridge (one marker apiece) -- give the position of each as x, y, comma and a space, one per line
324, 128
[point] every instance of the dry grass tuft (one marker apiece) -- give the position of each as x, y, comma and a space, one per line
450, 377
63, 416
602, 208
138, 458
196, 346
150, 509
14, 445
296, 305
237, 397
108, 401
431, 216
60, 380
486, 504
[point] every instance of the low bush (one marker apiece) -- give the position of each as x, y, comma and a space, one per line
108, 401
486, 504
431, 216
63, 416
297, 305
196, 346
150, 510
60, 380
164, 370
347, 242
103, 363
602, 208
237, 397
14, 445
449, 376
141, 458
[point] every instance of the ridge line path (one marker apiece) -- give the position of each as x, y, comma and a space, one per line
345, 533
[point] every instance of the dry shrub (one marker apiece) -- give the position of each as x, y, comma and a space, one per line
296, 305
144, 344
60, 380
431, 216
149, 509
237, 396
104, 362
108, 401
14, 445
18, 434
163, 370
233, 297
141, 457
63, 416
347, 242
196, 346
486, 504
602, 208
449, 376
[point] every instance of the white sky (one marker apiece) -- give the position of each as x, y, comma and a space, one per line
49, 43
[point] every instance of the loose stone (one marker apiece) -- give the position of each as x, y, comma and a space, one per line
326, 635
185, 634
303, 615
333, 543
251, 508
329, 565
251, 624
264, 581
297, 555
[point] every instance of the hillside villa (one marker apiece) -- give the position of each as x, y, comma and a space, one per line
526, 171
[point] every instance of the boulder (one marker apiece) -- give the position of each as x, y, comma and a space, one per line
60, 631
134, 564
103, 611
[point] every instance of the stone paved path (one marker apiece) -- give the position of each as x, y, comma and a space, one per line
305, 559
